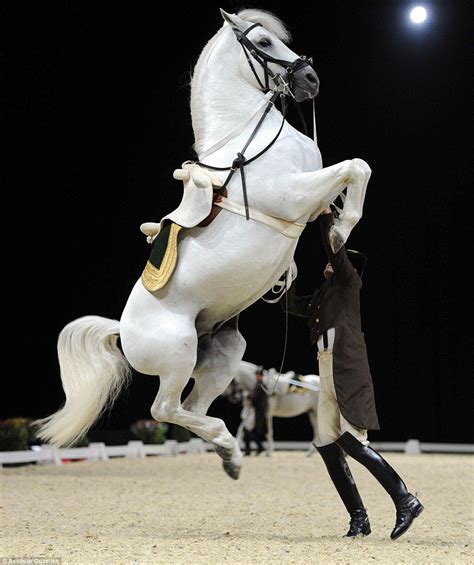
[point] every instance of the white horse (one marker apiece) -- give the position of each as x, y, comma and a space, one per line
189, 328
285, 400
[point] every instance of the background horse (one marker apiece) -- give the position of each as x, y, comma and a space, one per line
284, 401
189, 328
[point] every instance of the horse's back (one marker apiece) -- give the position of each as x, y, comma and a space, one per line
294, 403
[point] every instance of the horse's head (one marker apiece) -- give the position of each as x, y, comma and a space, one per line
265, 61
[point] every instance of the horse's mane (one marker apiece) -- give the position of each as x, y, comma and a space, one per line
268, 20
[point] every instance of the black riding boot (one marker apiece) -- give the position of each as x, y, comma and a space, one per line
260, 448
408, 506
247, 440
341, 476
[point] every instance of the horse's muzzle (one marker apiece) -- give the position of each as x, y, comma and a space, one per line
305, 83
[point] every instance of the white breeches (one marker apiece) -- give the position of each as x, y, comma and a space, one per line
331, 424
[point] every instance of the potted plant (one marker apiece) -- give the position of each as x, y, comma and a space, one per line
149, 431
16, 434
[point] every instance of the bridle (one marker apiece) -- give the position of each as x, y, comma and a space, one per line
281, 90
251, 50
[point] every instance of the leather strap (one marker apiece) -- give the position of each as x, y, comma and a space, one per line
210, 150
290, 229
240, 161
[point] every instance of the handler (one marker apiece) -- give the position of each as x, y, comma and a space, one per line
346, 407
254, 415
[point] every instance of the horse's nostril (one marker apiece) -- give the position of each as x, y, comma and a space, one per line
311, 78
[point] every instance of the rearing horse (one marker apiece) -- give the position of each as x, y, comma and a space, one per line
189, 328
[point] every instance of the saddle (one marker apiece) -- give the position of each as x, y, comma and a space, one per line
288, 385
199, 206
298, 389
196, 209
196, 204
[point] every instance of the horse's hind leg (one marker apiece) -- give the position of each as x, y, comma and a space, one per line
219, 357
167, 408
174, 375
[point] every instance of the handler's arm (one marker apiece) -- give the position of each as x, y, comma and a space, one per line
297, 305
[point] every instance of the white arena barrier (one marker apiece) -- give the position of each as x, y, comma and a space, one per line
44, 454
100, 451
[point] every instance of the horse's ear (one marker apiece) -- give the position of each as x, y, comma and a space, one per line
233, 20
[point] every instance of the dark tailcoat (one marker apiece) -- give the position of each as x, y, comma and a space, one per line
260, 403
337, 305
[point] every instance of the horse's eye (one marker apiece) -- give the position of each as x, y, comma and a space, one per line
264, 42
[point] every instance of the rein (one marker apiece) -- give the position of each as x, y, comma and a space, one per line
269, 393
240, 161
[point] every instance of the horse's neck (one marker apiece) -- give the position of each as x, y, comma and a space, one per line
221, 101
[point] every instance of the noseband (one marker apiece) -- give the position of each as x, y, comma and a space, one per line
251, 50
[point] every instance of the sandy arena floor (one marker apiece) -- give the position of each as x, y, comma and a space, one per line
186, 510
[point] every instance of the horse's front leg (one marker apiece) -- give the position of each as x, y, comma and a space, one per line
270, 412
239, 435
317, 190
313, 418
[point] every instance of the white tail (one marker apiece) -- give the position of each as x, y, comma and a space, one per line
93, 371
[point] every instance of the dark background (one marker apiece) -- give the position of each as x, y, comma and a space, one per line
96, 106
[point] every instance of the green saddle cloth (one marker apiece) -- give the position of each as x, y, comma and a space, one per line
163, 258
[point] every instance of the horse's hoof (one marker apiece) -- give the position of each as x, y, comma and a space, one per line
231, 469
230, 466
336, 240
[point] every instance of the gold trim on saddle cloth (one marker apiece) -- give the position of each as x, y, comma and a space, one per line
154, 278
